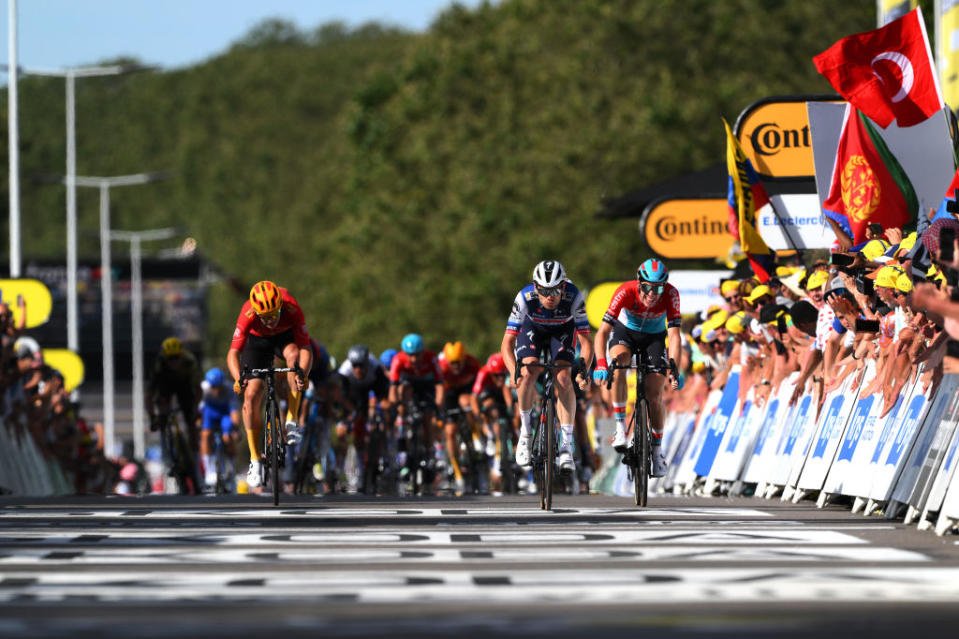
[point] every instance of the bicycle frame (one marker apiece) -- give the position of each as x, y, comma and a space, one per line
544, 445
638, 456
274, 441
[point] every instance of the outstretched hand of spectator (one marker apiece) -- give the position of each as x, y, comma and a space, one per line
894, 235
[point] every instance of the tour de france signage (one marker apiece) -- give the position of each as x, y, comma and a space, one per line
687, 228
774, 133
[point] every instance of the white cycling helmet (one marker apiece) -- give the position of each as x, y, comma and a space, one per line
549, 274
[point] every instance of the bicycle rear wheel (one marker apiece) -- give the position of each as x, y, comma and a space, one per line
304, 460
550, 463
641, 453
507, 476
273, 434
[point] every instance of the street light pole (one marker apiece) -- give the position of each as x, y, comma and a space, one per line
106, 287
70, 75
136, 302
13, 148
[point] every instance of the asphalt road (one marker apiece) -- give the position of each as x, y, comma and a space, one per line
486, 566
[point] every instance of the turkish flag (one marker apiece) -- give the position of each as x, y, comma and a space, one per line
888, 73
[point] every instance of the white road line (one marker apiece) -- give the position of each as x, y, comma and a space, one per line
340, 513
591, 536
667, 586
198, 559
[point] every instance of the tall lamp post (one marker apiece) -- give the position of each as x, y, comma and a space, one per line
70, 75
136, 301
106, 285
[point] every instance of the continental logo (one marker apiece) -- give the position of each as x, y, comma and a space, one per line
688, 228
776, 137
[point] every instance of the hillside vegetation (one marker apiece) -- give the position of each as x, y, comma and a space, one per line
402, 182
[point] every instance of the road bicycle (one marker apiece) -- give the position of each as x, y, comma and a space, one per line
638, 455
274, 439
545, 431
420, 459
176, 452
222, 462
308, 453
472, 462
378, 472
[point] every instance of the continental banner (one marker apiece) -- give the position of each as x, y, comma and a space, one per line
774, 133
687, 228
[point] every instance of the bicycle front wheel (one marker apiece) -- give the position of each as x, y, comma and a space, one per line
273, 434
550, 434
641, 453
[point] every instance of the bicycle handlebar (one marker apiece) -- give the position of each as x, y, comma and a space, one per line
614, 365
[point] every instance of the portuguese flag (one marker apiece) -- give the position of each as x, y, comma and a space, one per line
868, 183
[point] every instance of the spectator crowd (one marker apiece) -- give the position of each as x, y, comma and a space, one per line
46, 447
890, 302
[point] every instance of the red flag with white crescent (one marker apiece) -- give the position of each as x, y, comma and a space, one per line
887, 73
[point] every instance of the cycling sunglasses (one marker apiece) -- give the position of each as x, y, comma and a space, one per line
652, 288
269, 317
549, 292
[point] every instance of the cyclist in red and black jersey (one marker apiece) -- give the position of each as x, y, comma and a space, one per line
271, 324
415, 374
459, 370
639, 316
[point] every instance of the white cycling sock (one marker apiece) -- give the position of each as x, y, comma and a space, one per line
208, 463
526, 422
567, 440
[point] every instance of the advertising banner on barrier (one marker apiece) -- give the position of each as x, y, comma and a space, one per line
740, 442
942, 401
931, 462
868, 453
860, 425
949, 476
686, 474
760, 459
716, 431
794, 440
723, 462
943, 481
679, 443
829, 431
891, 458
757, 463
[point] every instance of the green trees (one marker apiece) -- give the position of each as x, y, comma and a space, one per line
398, 181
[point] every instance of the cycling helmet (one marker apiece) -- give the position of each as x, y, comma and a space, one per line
495, 364
412, 344
265, 298
358, 355
386, 357
652, 270
549, 274
214, 377
454, 352
172, 347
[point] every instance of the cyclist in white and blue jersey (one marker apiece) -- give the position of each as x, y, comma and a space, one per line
547, 314
219, 407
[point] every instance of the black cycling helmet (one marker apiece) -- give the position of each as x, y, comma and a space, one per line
358, 355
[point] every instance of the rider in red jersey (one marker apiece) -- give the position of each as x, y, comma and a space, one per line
271, 324
639, 317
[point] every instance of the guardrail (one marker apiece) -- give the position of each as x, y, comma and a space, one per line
901, 465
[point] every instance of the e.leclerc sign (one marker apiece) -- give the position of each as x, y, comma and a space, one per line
687, 228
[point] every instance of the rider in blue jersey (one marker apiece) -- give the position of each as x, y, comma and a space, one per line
547, 314
218, 408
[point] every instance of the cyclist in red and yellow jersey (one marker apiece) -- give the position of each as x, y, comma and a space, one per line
459, 370
271, 324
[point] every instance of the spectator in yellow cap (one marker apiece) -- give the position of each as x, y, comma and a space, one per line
736, 323
730, 292
814, 285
